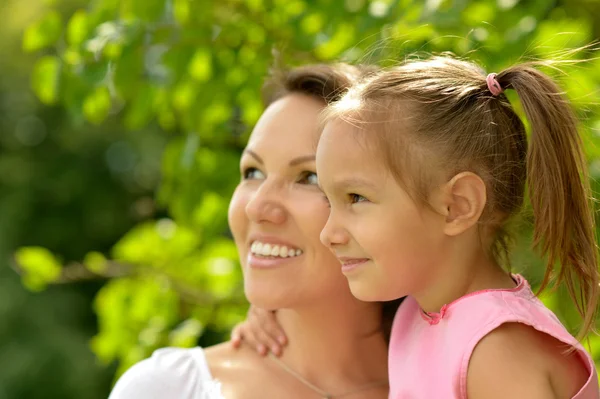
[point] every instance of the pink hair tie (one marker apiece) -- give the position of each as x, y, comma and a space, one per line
493, 84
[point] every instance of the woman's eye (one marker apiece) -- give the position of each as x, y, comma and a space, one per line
308, 178
252, 174
355, 198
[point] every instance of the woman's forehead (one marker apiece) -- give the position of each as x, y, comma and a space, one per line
290, 122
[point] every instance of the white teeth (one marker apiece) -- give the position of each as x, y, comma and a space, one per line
266, 250
283, 251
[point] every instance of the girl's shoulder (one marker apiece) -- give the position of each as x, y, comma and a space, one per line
516, 360
175, 373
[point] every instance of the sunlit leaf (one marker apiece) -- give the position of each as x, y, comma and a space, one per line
156, 244
140, 111
343, 37
39, 265
77, 28
200, 67
45, 79
95, 262
147, 10
181, 11
43, 33
186, 334
96, 105
312, 23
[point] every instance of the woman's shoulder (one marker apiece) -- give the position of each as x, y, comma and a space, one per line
236, 366
176, 373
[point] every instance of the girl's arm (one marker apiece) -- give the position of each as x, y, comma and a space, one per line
261, 331
516, 361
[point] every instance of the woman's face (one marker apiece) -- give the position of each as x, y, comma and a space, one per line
277, 211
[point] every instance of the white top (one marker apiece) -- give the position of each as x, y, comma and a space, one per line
173, 373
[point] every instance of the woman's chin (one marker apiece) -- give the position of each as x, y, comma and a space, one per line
267, 298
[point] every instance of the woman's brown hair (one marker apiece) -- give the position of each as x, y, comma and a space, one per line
441, 111
326, 82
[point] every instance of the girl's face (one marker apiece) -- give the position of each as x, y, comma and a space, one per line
278, 211
388, 245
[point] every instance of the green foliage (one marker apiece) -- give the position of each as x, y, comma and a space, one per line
44, 33
44, 80
39, 265
194, 68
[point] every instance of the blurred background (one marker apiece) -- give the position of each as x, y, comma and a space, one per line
121, 123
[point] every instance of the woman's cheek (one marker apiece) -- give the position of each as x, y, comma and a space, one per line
315, 212
237, 212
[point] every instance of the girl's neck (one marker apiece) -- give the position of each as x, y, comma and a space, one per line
335, 347
464, 272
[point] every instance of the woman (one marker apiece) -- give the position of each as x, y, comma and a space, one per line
337, 344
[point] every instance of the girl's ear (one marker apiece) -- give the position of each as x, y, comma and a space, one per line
462, 202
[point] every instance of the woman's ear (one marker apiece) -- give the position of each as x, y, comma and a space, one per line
462, 202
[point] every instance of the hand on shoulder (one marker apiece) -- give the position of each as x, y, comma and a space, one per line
517, 361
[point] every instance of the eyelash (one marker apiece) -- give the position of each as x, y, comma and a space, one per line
356, 198
246, 173
304, 177
302, 180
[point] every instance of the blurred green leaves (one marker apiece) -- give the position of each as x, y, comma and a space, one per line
45, 79
40, 267
44, 33
78, 28
96, 105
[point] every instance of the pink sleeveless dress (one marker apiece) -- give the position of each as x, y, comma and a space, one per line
429, 353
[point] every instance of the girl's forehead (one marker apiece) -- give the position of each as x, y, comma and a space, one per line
348, 139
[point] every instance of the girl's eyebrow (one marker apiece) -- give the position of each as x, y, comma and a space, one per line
293, 162
354, 182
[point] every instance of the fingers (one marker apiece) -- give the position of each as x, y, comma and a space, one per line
252, 335
255, 338
260, 331
272, 327
271, 333
236, 336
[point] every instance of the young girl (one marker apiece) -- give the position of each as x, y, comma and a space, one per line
424, 165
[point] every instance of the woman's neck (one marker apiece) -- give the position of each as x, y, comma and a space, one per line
336, 347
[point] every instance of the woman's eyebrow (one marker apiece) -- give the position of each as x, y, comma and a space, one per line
293, 162
302, 159
254, 155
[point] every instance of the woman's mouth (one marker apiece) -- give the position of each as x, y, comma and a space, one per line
266, 250
267, 255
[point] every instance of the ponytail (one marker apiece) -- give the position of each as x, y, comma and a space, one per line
559, 188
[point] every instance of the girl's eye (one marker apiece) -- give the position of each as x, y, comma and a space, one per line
308, 178
355, 198
252, 174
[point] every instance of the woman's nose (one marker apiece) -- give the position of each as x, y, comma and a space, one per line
266, 205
